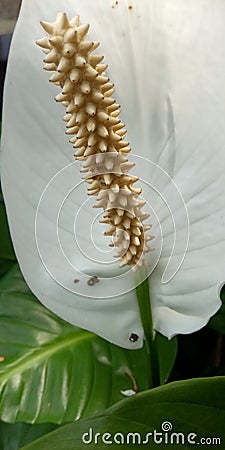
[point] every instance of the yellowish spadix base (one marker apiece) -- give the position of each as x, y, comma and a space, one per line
97, 133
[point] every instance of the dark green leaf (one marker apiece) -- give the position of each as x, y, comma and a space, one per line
218, 320
13, 436
195, 356
187, 407
51, 371
7, 256
167, 351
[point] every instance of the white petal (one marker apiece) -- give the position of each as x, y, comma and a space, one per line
166, 60
197, 68
35, 148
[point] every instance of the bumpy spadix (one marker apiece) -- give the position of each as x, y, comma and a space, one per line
97, 133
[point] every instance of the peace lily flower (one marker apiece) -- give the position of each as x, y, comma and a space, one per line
166, 60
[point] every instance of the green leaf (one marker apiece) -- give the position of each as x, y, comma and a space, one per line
187, 407
7, 255
218, 320
13, 436
51, 371
167, 352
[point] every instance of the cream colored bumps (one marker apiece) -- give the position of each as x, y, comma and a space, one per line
97, 133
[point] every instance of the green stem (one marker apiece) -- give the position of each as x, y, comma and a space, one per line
144, 303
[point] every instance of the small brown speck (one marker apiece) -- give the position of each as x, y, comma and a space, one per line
92, 280
2, 358
130, 7
76, 280
113, 6
117, 3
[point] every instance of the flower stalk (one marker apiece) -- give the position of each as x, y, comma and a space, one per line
144, 304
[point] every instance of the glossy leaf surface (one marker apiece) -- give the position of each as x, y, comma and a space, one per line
51, 371
14, 436
193, 410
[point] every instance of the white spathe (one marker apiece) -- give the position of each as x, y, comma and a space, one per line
166, 58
